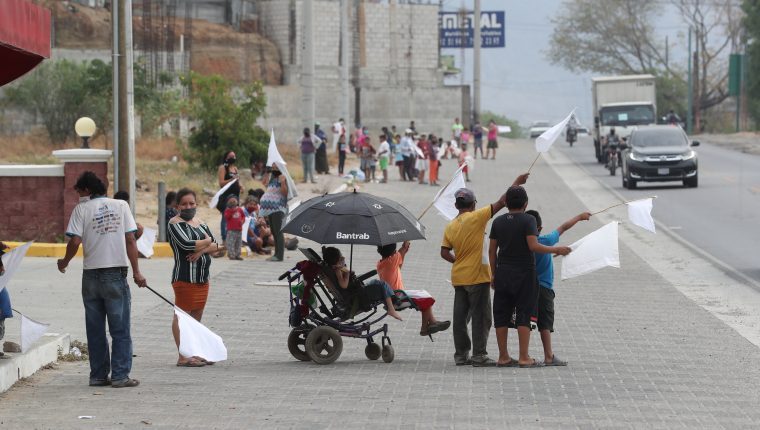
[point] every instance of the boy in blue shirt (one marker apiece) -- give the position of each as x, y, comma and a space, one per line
545, 274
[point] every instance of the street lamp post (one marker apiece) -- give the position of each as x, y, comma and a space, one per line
85, 128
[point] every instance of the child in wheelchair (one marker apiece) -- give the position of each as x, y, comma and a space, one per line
351, 289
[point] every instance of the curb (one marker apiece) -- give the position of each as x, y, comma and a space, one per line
44, 352
58, 250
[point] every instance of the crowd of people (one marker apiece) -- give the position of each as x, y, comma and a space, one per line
519, 269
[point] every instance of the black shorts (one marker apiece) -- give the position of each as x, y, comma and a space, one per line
515, 292
545, 309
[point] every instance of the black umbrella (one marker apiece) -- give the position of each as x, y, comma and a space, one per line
353, 218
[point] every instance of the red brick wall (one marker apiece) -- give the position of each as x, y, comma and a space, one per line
30, 208
38, 207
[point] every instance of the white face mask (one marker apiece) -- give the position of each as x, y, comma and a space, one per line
83, 199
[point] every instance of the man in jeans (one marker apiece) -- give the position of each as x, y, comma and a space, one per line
106, 230
470, 275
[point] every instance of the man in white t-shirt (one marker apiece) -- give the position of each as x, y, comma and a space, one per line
106, 230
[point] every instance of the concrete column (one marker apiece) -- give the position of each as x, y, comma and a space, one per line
307, 71
75, 162
345, 64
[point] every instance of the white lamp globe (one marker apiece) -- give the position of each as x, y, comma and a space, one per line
85, 127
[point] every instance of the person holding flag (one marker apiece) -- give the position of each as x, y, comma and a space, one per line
462, 246
106, 229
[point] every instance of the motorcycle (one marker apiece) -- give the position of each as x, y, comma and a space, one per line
572, 136
613, 154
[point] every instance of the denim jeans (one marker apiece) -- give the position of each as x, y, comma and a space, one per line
106, 296
275, 224
308, 166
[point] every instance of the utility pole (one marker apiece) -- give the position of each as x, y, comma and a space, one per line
476, 64
115, 90
345, 63
690, 96
307, 77
123, 159
129, 57
697, 86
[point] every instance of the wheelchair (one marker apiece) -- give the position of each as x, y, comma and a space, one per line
320, 317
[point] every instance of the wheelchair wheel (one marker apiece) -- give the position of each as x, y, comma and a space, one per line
372, 351
297, 344
388, 353
324, 345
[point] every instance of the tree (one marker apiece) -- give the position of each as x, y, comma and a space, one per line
227, 120
59, 92
517, 130
751, 23
62, 91
615, 37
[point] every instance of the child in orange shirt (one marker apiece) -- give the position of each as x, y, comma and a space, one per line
389, 270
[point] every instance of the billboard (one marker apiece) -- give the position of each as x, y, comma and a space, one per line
456, 29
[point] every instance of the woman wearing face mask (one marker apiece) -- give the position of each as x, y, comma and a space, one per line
274, 207
192, 241
227, 173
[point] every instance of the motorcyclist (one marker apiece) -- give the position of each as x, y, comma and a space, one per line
672, 118
571, 133
612, 142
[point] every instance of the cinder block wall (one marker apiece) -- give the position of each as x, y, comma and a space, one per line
31, 208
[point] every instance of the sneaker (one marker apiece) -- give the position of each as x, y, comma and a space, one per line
487, 362
467, 362
273, 258
438, 326
125, 383
100, 382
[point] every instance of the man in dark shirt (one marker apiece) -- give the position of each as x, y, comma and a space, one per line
514, 239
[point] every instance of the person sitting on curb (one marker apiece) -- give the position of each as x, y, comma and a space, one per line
389, 270
545, 273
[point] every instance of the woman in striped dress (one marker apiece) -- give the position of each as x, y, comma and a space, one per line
192, 241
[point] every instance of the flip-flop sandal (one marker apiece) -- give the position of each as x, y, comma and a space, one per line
556, 361
535, 363
204, 361
511, 363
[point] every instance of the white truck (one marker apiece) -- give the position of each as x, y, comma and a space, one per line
622, 102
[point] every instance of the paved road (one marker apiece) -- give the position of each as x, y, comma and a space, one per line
642, 355
720, 216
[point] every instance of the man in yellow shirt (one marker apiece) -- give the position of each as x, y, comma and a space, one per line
462, 246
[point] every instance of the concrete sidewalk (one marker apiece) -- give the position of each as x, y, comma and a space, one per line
641, 353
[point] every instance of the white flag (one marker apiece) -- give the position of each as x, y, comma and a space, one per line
196, 340
274, 157
640, 213
215, 199
547, 138
246, 225
444, 200
593, 252
31, 330
146, 241
12, 261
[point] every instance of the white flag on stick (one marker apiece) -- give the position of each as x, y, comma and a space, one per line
593, 252
31, 331
218, 195
547, 138
640, 213
12, 261
274, 157
146, 241
444, 199
246, 225
196, 340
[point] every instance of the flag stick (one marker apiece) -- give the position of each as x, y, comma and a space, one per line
621, 204
534, 162
159, 295
442, 190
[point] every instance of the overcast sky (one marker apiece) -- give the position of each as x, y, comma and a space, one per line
518, 81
